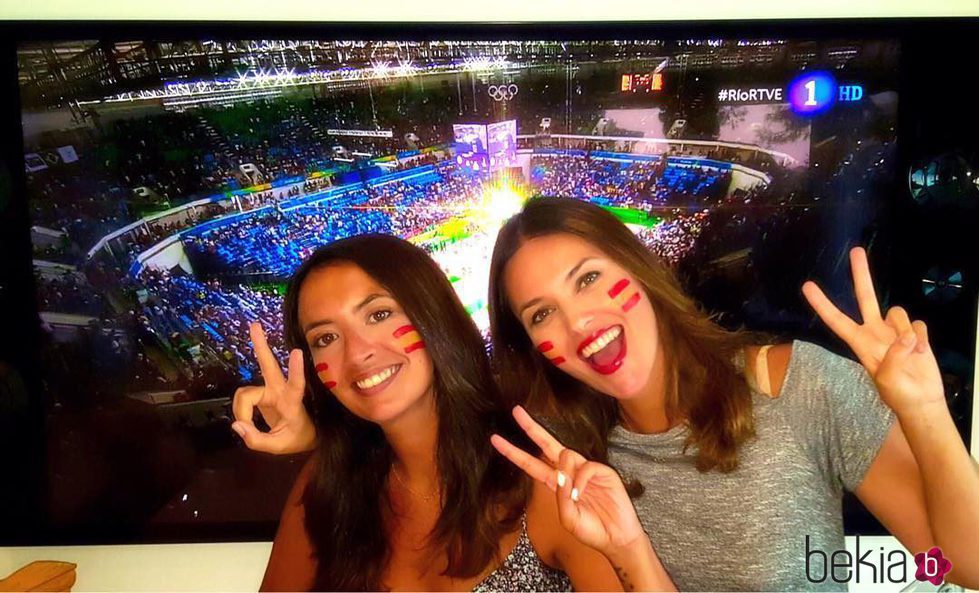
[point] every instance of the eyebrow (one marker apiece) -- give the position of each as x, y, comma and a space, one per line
367, 300
567, 277
528, 305
575, 269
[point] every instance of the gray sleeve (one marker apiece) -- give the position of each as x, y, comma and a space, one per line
835, 412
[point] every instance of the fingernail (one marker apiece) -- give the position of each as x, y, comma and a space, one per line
237, 428
574, 494
561, 479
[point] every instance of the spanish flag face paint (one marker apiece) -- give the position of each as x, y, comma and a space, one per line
623, 296
409, 337
323, 372
547, 349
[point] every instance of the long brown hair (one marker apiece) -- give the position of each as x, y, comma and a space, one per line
345, 497
704, 387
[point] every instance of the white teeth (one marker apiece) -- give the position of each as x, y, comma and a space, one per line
601, 342
376, 379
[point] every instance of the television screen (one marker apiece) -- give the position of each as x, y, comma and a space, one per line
173, 185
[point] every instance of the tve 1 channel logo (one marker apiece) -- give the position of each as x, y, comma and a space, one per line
815, 92
810, 93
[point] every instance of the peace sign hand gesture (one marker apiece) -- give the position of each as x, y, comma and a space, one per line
593, 504
894, 350
280, 401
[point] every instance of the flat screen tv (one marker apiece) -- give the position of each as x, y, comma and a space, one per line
162, 182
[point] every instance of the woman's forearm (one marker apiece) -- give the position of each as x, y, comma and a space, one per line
639, 568
951, 483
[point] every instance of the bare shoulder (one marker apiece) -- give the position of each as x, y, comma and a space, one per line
773, 363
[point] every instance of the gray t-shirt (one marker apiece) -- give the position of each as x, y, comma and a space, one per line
746, 530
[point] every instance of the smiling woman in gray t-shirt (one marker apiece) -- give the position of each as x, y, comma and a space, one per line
589, 327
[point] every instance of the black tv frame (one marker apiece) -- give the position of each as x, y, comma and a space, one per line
933, 76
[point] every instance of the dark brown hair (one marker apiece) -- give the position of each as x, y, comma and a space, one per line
704, 387
345, 497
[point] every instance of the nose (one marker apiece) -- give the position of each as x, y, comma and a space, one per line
580, 316
359, 348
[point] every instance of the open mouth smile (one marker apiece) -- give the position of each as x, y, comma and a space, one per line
604, 350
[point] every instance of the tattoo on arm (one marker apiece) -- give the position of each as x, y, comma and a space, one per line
623, 578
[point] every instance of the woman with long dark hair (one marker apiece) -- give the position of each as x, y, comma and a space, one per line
737, 455
404, 489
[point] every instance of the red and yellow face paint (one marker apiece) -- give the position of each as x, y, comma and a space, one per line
547, 349
626, 299
409, 337
323, 372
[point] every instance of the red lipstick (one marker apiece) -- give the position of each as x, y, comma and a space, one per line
601, 364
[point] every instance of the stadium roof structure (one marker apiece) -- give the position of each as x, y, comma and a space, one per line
76, 72
55, 73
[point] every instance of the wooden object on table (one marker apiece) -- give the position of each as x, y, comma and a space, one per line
42, 575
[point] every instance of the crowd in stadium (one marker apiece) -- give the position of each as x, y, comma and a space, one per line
62, 251
629, 183
314, 185
275, 242
418, 203
676, 237
173, 154
207, 323
179, 157
86, 208
415, 161
68, 292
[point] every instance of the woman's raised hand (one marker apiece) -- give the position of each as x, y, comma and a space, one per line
592, 500
280, 400
894, 350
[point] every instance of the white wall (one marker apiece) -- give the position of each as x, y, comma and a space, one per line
172, 567
498, 11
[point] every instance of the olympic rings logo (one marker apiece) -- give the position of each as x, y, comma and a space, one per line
503, 92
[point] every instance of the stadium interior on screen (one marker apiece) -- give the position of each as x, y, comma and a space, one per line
174, 187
